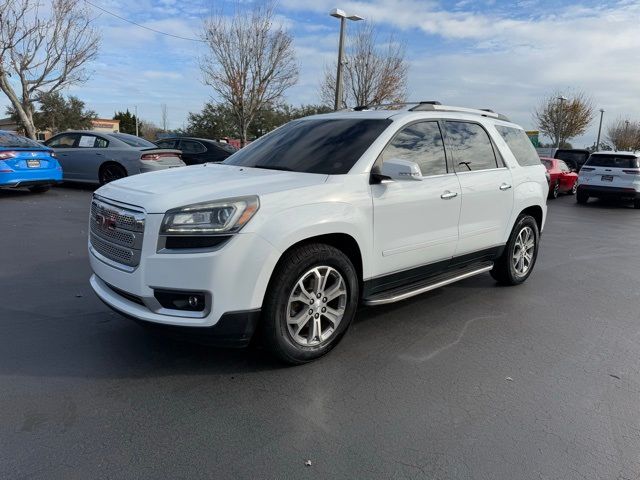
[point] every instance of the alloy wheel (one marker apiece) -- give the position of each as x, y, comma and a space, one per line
523, 251
316, 306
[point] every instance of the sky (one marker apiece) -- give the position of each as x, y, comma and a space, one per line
503, 55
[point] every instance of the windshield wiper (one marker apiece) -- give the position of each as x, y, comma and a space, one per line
273, 167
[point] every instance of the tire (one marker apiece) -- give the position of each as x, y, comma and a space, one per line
507, 269
40, 188
555, 191
285, 302
111, 172
574, 189
581, 197
636, 203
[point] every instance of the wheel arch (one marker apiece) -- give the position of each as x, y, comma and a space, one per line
344, 242
537, 213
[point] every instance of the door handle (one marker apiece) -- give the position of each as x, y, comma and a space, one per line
448, 195
505, 186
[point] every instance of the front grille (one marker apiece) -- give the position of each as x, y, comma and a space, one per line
116, 232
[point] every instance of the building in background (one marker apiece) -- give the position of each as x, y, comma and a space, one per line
106, 125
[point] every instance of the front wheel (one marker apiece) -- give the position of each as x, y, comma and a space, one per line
520, 254
310, 302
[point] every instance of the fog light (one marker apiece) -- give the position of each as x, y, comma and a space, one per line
177, 300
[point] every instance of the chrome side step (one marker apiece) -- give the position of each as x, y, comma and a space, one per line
408, 291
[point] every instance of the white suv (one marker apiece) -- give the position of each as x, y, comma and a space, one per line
287, 236
610, 175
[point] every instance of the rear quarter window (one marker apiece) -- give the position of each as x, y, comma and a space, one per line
520, 145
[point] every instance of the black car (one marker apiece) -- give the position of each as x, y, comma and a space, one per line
198, 150
574, 158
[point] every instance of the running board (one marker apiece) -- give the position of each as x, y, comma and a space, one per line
407, 291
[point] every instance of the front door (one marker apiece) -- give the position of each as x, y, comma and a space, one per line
415, 227
64, 146
487, 190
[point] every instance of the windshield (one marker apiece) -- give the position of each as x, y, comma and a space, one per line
613, 161
133, 140
326, 146
11, 140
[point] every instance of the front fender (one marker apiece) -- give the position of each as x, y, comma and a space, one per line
296, 224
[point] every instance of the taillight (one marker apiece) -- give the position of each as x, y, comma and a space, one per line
635, 171
157, 156
8, 154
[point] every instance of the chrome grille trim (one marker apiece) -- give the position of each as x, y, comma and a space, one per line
116, 232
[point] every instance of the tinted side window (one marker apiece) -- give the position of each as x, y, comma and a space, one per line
520, 145
189, 146
420, 143
166, 143
62, 141
471, 146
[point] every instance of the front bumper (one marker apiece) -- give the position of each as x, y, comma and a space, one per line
609, 192
233, 278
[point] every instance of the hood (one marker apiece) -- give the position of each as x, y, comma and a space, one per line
160, 191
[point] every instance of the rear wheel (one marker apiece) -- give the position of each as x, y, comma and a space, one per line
311, 300
582, 197
111, 172
574, 189
519, 257
40, 188
636, 203
555, 191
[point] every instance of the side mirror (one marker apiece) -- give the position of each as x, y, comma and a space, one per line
398, 169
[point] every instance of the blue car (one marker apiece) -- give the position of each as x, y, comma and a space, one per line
25, 163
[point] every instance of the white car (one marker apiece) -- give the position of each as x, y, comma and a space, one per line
288, 235
610, 175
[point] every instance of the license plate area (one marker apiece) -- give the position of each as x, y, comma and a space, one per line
607, 178
33, 163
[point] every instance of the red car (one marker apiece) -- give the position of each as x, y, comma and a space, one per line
561, 178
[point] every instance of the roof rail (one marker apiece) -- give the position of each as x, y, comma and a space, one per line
431, 105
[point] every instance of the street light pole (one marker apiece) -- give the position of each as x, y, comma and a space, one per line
337, 13
560, 99
599, 130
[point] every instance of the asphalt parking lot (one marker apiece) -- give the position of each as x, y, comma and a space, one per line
472, 381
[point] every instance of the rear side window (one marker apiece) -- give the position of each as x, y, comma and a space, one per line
613, 161
420, 143
327, 146
190, 146
471, 147
520, 145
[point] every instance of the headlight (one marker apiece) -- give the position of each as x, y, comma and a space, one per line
210, 218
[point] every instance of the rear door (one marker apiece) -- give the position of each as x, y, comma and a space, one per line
193, 152
486, 184
415, 227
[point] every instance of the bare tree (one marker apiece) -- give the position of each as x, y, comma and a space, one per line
42, 53
562, 120
374, 73
164, 116
250, 61
624, 135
